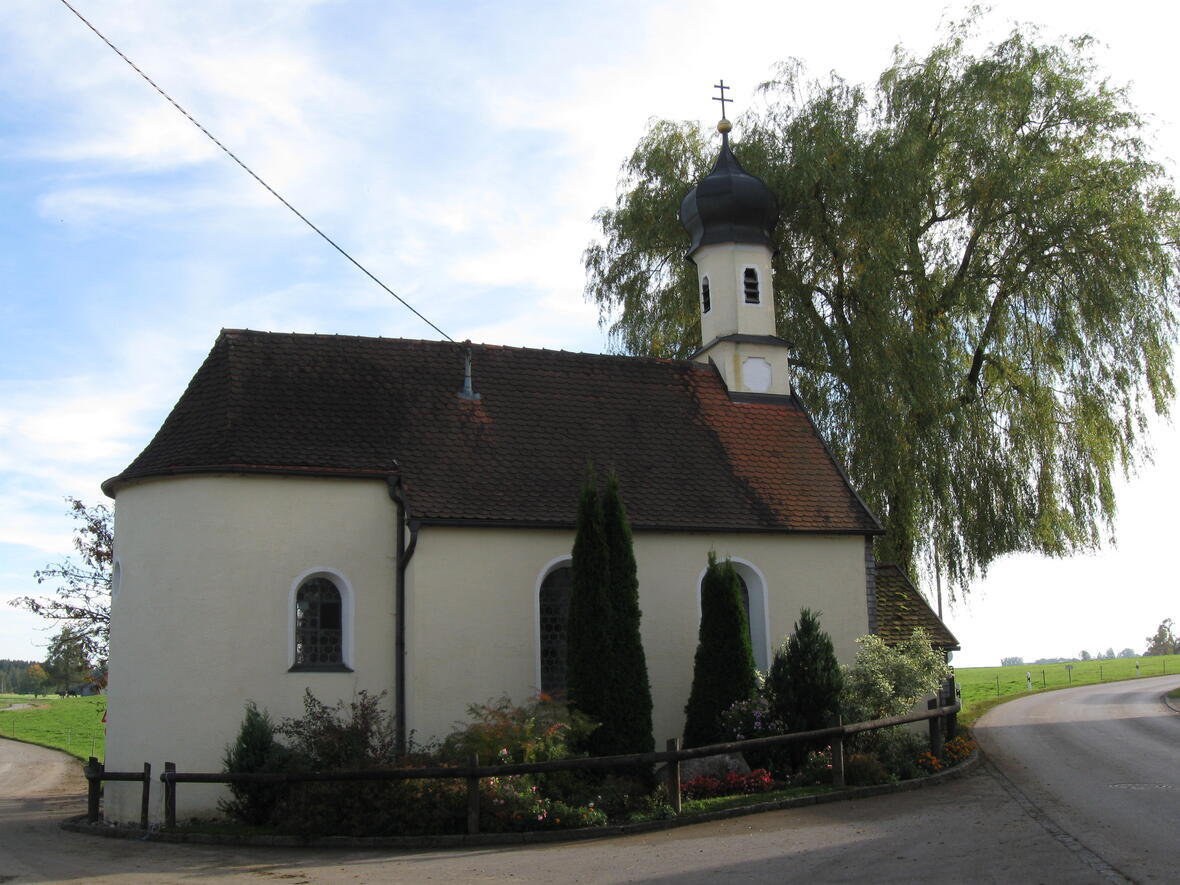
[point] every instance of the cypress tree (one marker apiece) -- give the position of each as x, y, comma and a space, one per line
723, 670
805, 681
588, 671
628, 729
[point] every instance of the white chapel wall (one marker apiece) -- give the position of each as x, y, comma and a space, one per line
202, 619
201, 623
472, 610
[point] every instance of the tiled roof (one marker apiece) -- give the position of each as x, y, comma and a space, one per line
687, 456
901, 608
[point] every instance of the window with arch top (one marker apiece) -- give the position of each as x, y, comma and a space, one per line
553, 611
752, 591
706, 298
319, 625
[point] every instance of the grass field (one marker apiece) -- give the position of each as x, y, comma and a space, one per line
70, 724
982, 687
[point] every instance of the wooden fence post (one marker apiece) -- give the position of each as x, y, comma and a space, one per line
169, 795
952, 719
935, 729
93, 771
672, 770
473, 798
146, 796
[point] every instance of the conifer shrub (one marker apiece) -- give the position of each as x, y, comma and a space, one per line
805, 683
254, 750
589, 672
626, 724
723, 668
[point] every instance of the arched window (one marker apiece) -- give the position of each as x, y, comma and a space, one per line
753, 593
553, 614
319, 640
706, 301
750, 285
754, 598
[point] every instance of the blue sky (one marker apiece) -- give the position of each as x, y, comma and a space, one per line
459, 150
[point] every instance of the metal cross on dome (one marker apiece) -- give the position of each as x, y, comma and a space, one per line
722, 97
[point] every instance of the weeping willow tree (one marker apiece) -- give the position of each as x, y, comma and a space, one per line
976, 266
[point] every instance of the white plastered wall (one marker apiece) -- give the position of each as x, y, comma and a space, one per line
201, 623
730, 358
473, 600
724, 264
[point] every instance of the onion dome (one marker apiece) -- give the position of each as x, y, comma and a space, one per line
729, 205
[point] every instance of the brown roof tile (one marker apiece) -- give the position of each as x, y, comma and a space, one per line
901, 608
687, 456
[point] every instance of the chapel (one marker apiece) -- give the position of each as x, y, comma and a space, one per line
342, 513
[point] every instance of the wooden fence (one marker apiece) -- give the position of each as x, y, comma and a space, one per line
941, 715
96, 773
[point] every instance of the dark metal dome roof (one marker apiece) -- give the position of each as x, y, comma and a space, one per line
729, 205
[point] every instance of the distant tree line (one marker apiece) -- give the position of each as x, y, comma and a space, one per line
22, 677
1163, 642
1107, 655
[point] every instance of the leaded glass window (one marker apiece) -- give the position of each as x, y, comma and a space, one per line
555, 612
319, 624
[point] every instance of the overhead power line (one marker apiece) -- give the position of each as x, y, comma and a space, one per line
251, 172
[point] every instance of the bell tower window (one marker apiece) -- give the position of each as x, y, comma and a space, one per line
750, 285
706, 301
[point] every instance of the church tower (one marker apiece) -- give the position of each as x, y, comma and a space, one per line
729, 216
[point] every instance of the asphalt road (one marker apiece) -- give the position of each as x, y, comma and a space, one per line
981, 828
1099, 768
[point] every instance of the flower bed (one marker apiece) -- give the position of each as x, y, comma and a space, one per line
757, 781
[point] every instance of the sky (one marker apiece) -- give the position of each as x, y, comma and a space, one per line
460, 152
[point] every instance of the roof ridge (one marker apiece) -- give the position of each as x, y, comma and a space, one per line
262, 333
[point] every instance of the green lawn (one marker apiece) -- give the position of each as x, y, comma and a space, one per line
70, 724
983, 687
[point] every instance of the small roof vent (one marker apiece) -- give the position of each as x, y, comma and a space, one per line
467, 392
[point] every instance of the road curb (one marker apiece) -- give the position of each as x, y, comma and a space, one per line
111, 831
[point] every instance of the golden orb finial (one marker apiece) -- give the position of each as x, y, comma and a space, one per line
724, 126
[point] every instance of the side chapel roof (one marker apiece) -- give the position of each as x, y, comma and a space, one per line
688, 457
901, 608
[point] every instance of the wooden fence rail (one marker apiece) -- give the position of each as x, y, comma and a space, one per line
96, 773
941, 716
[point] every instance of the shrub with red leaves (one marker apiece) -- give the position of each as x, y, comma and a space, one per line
757, 781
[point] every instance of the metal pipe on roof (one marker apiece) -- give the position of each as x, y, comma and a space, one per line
467, 392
